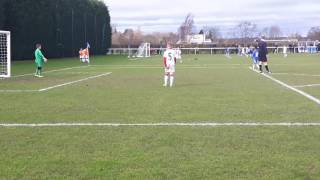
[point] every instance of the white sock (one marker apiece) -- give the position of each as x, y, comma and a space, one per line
166, 78
171, 80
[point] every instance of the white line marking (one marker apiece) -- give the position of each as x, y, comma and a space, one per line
56, 86
56, 70
161, 124
210, 67
17, 91
310, 64
244, 64
184, 65
134, 59
308, 85
312, 98
228, 56
178, 66
73, 82
296, 74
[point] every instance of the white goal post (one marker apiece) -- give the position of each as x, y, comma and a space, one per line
5, 54
144, 50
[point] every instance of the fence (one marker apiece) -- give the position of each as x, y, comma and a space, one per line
212, 51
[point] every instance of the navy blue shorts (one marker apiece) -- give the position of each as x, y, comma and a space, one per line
263, 58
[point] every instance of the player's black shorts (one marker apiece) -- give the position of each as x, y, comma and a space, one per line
263, 58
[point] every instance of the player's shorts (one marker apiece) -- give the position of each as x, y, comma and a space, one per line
255, 60
39, 64
171, 69
263, 58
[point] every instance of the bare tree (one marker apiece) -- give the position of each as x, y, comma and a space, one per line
115, 39
296, 36
138, 37
212, 33
114, 28
246, 30
151, 39
129, 36
128, 33
186, 27
274, 32
265, 32
314, 33
122, 40
173, 37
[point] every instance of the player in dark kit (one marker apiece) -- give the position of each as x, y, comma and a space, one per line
263, 51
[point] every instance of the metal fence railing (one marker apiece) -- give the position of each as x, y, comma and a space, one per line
212, 51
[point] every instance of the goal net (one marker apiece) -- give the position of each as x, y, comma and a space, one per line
144, 50
5, 54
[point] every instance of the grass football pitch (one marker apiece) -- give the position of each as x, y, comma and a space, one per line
116, 90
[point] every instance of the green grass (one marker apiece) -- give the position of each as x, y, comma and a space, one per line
210, 89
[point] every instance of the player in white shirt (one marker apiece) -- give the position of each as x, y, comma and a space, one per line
169, 60
285, 51
243, 52
178, 55
247, 51
227, 53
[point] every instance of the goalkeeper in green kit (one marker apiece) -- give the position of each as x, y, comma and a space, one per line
40, 59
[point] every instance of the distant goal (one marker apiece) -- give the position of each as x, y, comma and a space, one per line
143, 51
5, 54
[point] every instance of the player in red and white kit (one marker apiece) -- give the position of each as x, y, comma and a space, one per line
169, 59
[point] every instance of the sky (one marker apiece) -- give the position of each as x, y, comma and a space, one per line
292, 16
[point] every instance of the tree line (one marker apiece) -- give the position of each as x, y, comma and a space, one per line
132, 38
244, 32
61, 26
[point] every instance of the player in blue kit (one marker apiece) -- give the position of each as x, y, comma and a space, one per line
255, 58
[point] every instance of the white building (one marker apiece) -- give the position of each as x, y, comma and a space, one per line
196, 39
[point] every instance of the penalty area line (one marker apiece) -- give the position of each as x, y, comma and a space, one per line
308, 85
56, 70
18, 91
73, 82
297, 124
310, 97
296, 74
55, 86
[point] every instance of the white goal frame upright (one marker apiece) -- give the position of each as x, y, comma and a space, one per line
144, 50
5, 54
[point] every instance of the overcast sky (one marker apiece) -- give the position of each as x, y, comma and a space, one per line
166, 15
